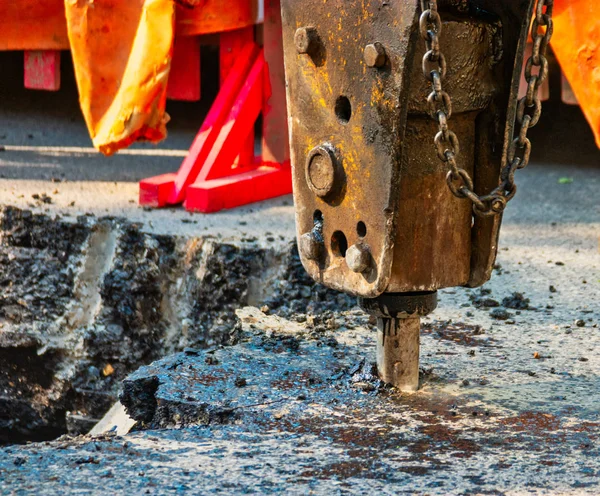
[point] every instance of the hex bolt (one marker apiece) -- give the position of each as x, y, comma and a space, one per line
306, 40
375, 55
322, 170
310, 246
358, 258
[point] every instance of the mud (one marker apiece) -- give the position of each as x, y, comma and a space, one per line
86, 302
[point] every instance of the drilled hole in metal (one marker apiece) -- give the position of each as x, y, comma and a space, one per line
361, 229
343, 109
339, 244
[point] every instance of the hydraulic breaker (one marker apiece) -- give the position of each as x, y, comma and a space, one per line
405, 135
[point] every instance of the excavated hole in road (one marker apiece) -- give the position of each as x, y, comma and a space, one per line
86, 302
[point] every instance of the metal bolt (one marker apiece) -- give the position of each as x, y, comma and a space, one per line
375, 55
306, 39
358, 258
321, 170
310, 246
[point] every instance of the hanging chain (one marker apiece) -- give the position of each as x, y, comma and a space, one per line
529, 109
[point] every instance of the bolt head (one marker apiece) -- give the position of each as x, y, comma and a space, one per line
306, 39
310, 247
358, 258
321, 170
375, 55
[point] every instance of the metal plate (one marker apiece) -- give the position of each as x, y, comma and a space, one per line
514, 16
335, 99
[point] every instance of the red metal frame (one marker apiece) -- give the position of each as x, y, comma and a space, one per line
220, 170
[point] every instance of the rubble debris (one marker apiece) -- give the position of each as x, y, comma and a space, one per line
482, 299
500, 314
85, 303
516, 301
457, 332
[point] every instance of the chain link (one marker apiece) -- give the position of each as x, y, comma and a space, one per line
529, 108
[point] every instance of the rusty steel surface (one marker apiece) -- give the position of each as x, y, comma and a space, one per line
347, 120
374, 212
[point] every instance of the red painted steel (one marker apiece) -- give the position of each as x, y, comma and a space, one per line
220, 170
155, 191
238, 124
230, 47
42, 70
205, 139
258, 184
184, 78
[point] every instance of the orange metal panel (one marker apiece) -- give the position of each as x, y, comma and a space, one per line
41, 24
215, 16
576, 43
33, 25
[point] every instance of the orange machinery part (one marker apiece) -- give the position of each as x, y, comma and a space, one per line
41, 24
122, 51
576, 44
122, 57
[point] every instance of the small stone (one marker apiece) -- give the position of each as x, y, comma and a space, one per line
108, 370
240, 382
580, 323
583, 359
552, 289
500, 314
367, 387
211, 360
516, 301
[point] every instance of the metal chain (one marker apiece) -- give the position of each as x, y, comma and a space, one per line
529, 109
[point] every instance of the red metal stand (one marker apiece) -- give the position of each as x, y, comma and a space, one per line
220, 170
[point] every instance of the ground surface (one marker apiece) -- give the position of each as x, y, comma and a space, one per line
509, 402
507, 405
